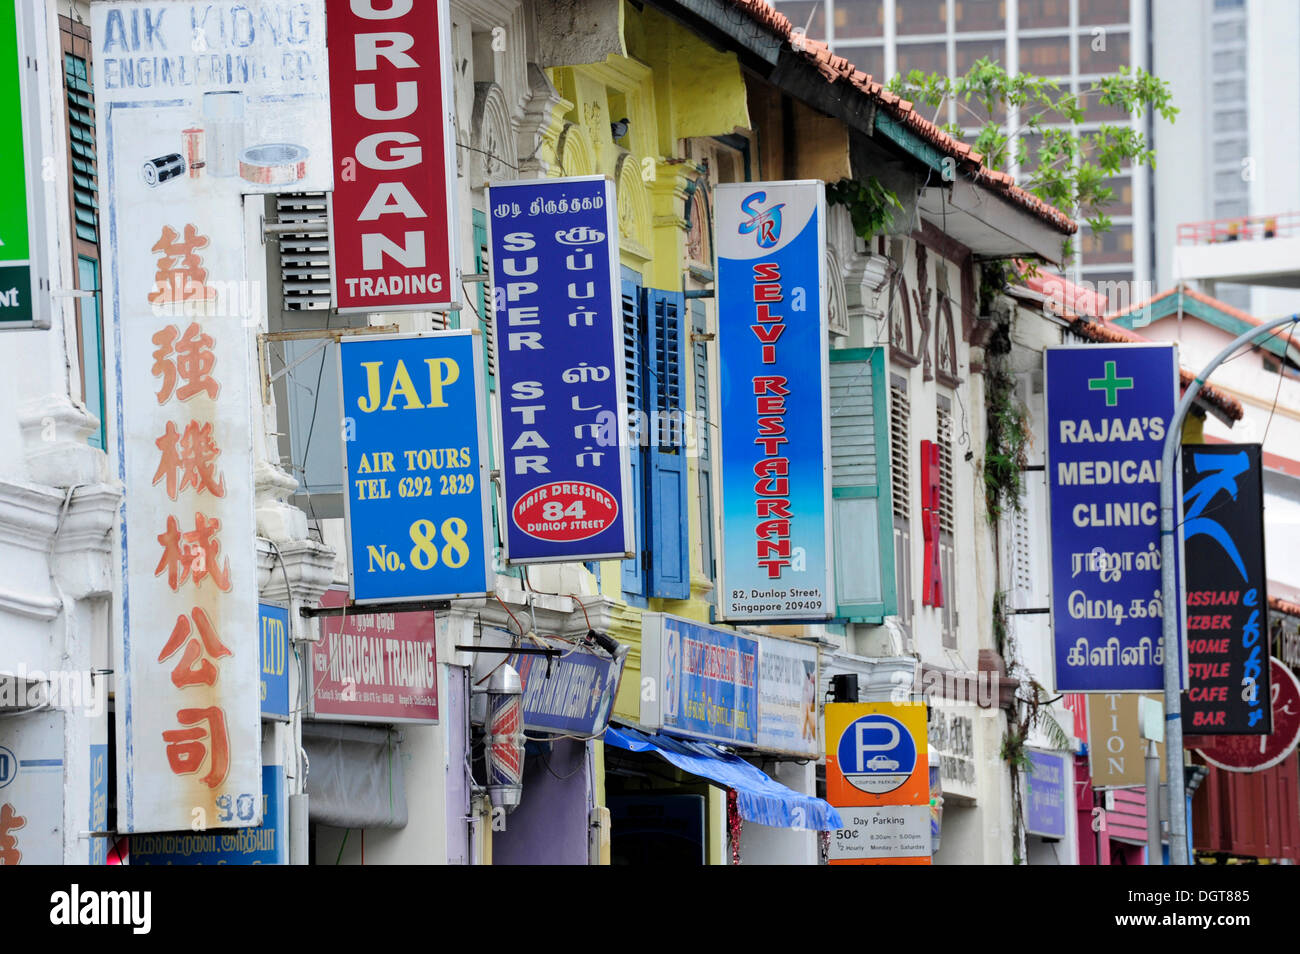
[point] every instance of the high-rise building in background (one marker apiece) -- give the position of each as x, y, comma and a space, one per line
1227, 169
1231, 68
1070, 41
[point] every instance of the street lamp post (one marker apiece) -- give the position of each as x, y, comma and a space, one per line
1170, 596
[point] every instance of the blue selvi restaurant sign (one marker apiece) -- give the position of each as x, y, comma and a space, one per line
774, 420
1108, 408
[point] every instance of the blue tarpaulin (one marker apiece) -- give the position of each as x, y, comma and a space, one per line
760, 798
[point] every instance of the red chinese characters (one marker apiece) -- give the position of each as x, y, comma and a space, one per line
180, 276
202, 645
207, 741
189, 457
188, 357
192, 554
184, 361
10, 821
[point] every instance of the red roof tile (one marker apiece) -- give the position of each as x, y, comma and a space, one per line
1282, 606
1072, 301
837, 69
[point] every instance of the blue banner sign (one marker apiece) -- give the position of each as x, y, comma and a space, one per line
1108, 408
1046, 794
559, 359
265, 845
774, 424
98, 803
1227, 592
704, 680
415, 466
273, 622
573, 693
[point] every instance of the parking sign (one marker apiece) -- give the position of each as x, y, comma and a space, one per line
876, 754
877, 764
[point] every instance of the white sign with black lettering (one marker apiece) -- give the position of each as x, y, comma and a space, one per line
890, 831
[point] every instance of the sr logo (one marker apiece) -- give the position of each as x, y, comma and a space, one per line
766, 222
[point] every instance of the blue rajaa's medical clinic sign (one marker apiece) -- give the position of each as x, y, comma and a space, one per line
1108, 408
559, 359
774, 423
415, 466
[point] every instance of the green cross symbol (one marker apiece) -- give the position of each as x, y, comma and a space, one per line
1110, 384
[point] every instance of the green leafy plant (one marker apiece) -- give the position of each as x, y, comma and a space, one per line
1071, 167
871, 206
1001, 635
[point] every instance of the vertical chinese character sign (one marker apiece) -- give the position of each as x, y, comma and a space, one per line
564, 443
775, 396
1108, 408
194, 112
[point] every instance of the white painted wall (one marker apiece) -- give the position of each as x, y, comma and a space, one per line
56, 498
763, 845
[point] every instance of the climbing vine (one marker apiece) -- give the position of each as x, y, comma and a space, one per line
1007, 441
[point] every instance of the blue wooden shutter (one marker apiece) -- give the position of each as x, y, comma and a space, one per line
703, 437
634, 569
860, 488
670, 560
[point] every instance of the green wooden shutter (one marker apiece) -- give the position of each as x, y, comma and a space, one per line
92, 347
484, 305
81, 143
860, 487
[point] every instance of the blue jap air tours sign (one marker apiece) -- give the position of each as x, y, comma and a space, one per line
1108, 408
415, 466
559, 357
774, 425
